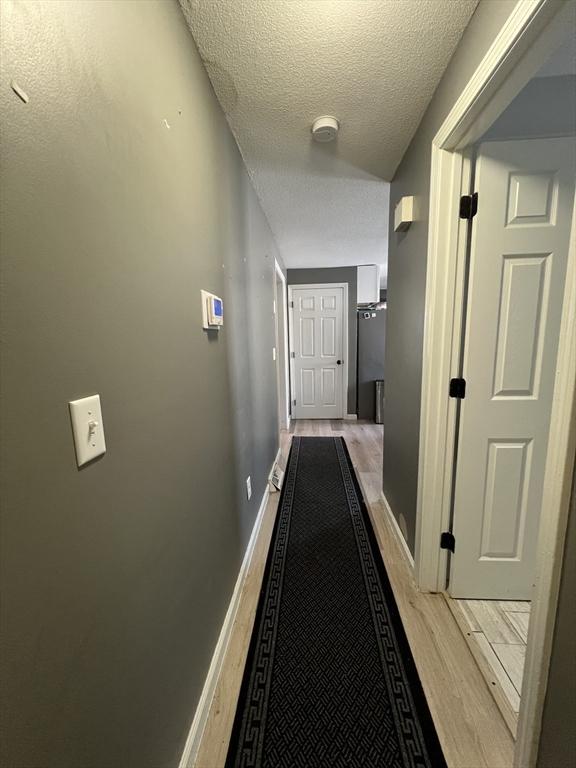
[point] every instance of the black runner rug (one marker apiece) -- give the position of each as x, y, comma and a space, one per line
329, 681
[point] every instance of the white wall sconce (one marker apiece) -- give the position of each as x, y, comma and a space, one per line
403, 214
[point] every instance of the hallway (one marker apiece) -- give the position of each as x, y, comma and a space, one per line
470, 727
230, 226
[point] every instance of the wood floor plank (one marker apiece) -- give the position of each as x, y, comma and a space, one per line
499, 672
492, 622
512, 659
371, 483
517, 606
472, 622
520, 623
498, 685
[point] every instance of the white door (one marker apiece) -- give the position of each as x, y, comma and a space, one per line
317, 352
518, 256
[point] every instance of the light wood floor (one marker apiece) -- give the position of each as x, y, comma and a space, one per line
471, 729
497, 633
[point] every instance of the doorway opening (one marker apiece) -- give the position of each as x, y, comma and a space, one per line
516, 262
497, 427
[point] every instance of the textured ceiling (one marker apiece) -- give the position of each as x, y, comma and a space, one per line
276, 65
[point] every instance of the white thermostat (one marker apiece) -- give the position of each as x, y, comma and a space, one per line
212, 311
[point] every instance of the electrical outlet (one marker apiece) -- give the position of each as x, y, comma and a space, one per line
249, 487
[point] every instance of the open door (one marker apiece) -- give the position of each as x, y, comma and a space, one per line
517, 270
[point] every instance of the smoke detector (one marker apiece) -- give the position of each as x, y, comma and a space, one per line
325, 128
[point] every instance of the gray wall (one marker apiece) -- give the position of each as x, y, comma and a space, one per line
545, 107
371, 347
249, 309
116, 578
558, 737
337, 275
407, 274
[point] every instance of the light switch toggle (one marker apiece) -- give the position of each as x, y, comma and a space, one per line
87, 427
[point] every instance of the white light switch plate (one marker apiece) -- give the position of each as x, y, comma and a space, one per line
88, 428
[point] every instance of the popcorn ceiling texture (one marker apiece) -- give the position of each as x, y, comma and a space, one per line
276, 65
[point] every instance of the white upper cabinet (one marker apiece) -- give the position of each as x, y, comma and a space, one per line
368, 284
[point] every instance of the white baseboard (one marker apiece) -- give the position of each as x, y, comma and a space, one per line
351, 417
399, 535
199, 722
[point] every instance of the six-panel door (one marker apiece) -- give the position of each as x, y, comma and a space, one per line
518, 260
317, 346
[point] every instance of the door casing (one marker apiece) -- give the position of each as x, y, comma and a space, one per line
283, 384
533, 31
321, 286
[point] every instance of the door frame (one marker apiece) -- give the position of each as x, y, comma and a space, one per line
320, 286
282, 343
533, 30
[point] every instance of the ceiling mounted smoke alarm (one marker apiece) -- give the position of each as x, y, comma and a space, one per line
325, 128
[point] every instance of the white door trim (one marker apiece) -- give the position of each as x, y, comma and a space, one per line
284, 310
322, 286
531, 33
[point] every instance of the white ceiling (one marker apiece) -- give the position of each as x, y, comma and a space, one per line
276, 65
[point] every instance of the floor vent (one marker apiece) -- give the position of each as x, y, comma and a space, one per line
276, 478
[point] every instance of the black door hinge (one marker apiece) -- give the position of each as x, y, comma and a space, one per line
291, 303
447, 541
458, 388
468, 206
